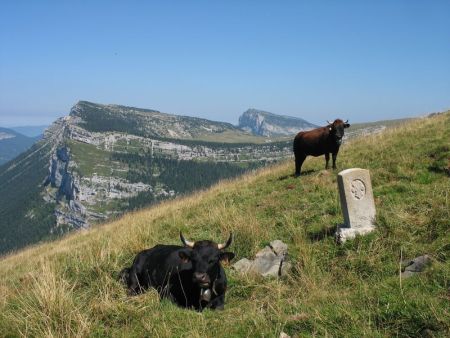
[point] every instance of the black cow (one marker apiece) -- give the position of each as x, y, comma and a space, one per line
319, 141
190, 275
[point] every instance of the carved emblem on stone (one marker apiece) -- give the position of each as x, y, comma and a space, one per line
358, 189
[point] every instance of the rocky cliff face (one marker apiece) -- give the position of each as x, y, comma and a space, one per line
65, 186
267, 124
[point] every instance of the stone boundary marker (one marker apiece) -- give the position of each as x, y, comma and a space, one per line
357, 203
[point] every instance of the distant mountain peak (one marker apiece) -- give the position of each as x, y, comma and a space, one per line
12, 144
6, 134
264, 123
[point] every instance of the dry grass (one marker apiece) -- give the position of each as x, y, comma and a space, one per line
69, 287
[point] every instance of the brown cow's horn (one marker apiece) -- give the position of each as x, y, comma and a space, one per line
329, 122
187, 243
346, 121
222, 246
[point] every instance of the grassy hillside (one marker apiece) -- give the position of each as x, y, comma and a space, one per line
69, 287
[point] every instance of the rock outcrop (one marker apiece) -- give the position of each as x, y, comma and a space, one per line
267, 124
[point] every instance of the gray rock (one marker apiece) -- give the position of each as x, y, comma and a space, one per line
243, 265
278, 247
417, 265
270, 261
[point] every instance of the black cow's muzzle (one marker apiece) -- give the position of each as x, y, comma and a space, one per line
202, 279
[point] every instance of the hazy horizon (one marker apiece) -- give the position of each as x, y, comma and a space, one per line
361, 61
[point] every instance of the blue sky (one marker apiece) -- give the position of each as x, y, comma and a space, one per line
358, 60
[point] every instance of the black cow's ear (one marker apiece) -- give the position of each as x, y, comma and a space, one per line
225, 257
185, 256
346, 125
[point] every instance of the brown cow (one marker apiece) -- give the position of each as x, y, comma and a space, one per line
319, 141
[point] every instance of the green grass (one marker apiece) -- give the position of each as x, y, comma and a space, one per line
387, 123
92, 160
230, 136
69, 287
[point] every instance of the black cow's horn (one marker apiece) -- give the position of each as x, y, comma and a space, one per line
227, 244
346, 121
329, 122
187, 243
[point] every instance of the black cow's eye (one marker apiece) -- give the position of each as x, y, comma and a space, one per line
211, 261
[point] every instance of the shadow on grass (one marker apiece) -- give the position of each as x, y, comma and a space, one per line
304, 173
322, 233
439, 170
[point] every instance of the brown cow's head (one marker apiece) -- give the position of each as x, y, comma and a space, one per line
337, 129
205, 257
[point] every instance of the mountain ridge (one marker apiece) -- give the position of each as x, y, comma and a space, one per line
153, 123
12, 143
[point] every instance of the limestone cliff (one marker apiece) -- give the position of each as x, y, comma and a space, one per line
267, 124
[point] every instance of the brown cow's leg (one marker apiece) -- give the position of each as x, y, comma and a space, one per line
327, 159
299, 159
334, 160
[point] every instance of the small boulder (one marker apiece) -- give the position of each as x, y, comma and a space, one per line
416, 265
284, 335
270, 261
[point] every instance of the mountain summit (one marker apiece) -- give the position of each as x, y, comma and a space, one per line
263, 123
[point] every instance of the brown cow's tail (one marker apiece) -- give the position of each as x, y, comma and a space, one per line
296, 143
